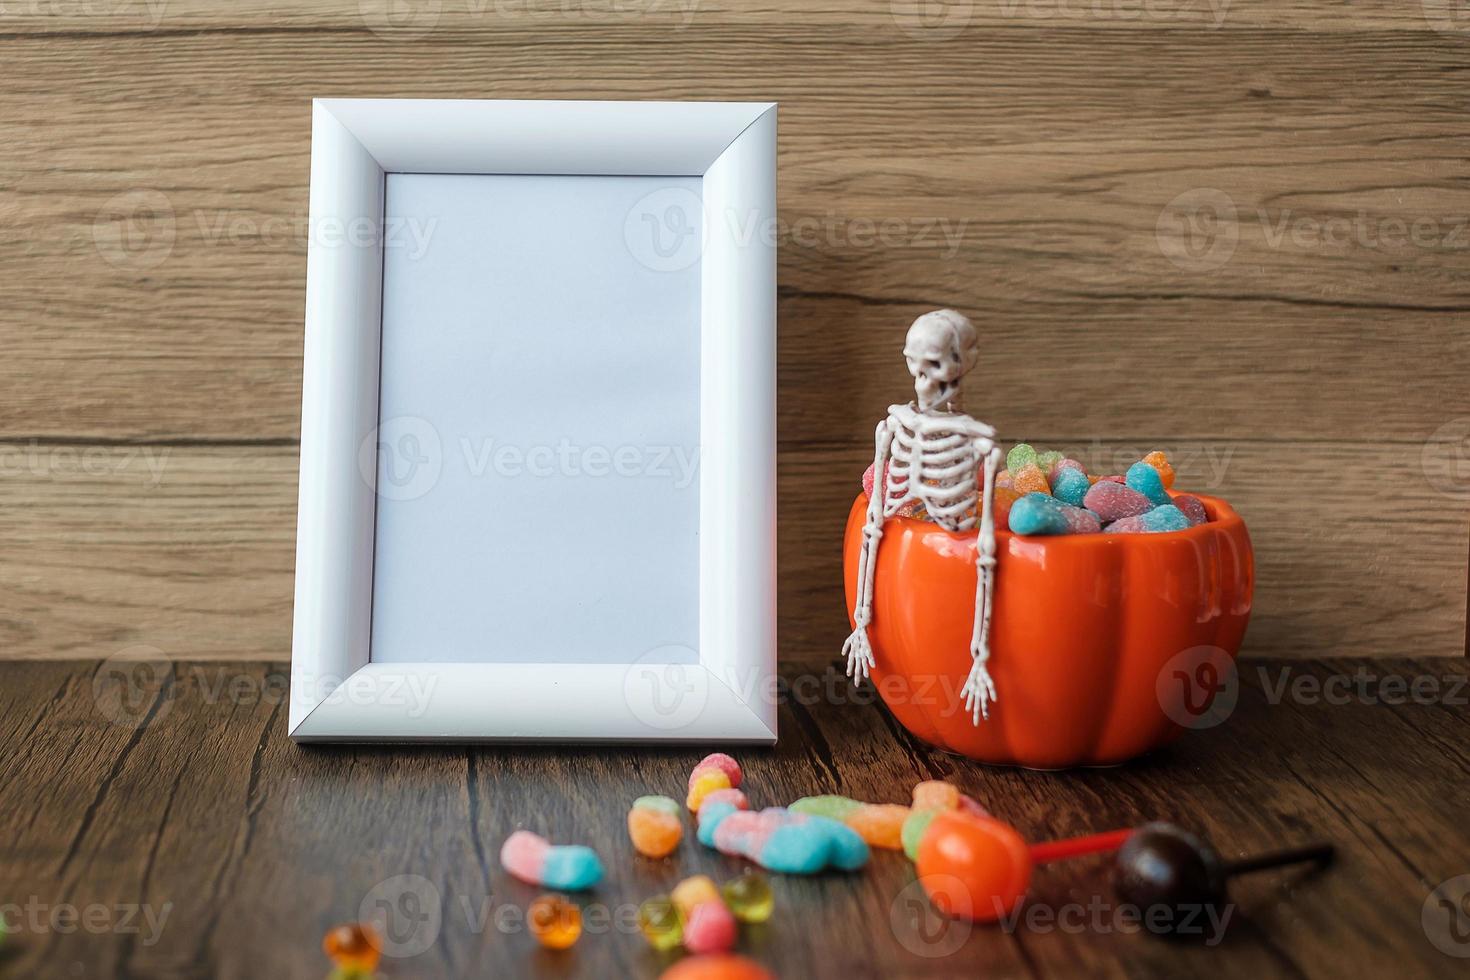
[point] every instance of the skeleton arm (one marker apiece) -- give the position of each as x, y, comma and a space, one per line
979, 689
858, 650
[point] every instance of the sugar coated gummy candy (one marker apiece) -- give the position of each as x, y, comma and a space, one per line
722, 966
1192, 508
530, 858
879, 824
555, 922
660, 923
1037, 513
709, 926
654, 825
1070, 486
1049, 459
1165, 518
779, 840
1080, 520
715, 771
1146, 480
355, 947
1065, 463
749, 897
1160, 462
1114, 501
1022, 455
1005, 498
1029, 479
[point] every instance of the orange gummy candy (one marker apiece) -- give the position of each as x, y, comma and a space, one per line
936, 794
879, 824
1004, 497
1030, 479
555, 922
654, 826
1160, 462
353, 947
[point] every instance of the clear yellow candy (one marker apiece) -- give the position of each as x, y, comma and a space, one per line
749, 897
660, 923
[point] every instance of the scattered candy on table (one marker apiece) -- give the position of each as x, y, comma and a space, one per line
932, 798
353, 948
709, 925
654, 825
555, 922
724, 966
779, 840
1047, 493
569, 867
879, 824
715, 771
749, 897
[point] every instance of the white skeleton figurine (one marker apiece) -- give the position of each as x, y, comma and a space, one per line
931, 452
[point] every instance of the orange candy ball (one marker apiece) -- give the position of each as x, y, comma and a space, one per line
555, 922
353, 947
720, 966
973, 867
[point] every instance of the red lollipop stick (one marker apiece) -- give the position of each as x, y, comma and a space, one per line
1058, 850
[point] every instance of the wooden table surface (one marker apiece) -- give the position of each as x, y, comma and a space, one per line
162, 825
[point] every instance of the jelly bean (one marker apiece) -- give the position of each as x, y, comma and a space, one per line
1030, 479
1022, 455
530, 858
709, 926
714, 771
1070, 486
654, 826
973, 867
749, 897
879, 824
660, 923
1146, 480
1112, 501
779, 840
1160, 462
724, 966
1080, 520
1047, 460
555, 922
1037, 513
354, 947
1193, 508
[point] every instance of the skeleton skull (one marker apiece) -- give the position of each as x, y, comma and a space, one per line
939, 350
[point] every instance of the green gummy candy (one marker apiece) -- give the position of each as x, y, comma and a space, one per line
1022, 455
832, 807
1048, 459
913, 831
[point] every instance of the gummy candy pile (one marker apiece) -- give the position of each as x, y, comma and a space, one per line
1042, 493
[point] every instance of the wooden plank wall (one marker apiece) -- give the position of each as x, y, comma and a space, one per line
1232, 230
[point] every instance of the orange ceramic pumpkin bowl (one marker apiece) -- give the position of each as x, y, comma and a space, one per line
1084, 628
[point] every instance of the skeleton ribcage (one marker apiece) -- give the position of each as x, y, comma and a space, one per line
936, 468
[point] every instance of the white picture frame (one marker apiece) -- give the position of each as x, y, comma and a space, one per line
724, 691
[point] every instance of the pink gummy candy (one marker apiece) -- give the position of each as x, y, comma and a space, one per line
1115, 501
1193, 508
1114, 479
1080, 520
1128, 525
721, 762
710, 928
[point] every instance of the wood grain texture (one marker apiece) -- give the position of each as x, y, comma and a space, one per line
211, 846
190, 550
1201, 225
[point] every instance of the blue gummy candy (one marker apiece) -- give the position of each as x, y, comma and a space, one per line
813, 845
1070, 486
1038, 513
1165, 518
710, 815
1146, 480
571, 867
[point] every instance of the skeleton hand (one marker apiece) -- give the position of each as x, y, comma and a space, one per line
979, 689
859, 654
